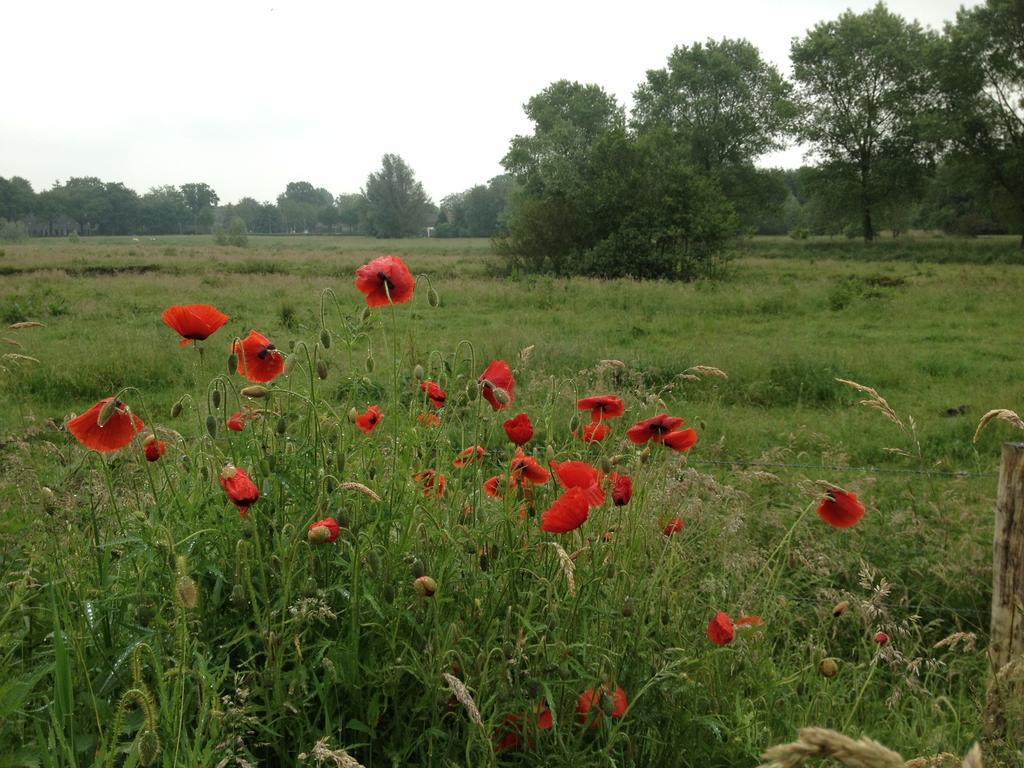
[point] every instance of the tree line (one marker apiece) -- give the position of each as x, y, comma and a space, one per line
905, 127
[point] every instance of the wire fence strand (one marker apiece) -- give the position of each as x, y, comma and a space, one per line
951, 474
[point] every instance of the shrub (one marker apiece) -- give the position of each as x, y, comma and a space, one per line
12, 231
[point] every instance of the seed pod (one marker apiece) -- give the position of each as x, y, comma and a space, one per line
232, 363
318, 534
353, 414
282, 425
321, 369
215, 398
627, 607
549, 453
369, 363
417, 567
828, 668
106, 412
840, 608
255, 391
606, 465
472, 391
238, 596
418, 372
365, 314
425, 586
176, 410
432, 298
325, 338
211, 425
149, 748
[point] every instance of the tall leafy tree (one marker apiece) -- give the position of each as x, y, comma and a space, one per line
983, 81
868, 91
164, 211
396, 204
200, 200
16, 198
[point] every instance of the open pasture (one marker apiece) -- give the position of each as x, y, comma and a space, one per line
166, 629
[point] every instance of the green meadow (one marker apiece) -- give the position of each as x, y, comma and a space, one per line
110, 657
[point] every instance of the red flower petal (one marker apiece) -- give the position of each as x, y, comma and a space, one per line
119, 430
258, 359
330, 524
682, 440
434, 393
654, 428
527, 470
519, 429
592, 700
622, 489
468, 456
594, 432
579, 474
840, 508
369, 420
720, 629
673, 526
567, 513
385, 280
194, 322
602, 406
497, 375
242, 491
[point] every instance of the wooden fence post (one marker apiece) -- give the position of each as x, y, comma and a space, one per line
1006, 649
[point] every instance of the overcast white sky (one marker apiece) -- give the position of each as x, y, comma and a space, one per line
248, 96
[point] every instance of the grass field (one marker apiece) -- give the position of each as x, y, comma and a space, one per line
290, 643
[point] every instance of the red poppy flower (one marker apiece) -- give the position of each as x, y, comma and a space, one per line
673, 526
384, 278
235, 422
622, 489
115, 434
601, 407
434, 393
519, 429
654, 428
840, 508
590, 704
432, 482
516, 723
258, 359
194, 322
240, 489
526, 469
492, 487
881, 638
468, 456
323, 531
429, 419
579, 474
369, 420
748, 621
153, 448
497, 375
681, 440
594, 432
568, 512
720, 629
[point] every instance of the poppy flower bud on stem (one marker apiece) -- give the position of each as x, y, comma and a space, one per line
282, 425
501, 395
215, 398
472, 391
606, 464
365, 314
433, 299
353, 414
425, 586
321, 369
418, 372
254, 392
176, 409
828, 668
549, 453
325, 338
106, 412
211, 425
369, 363
232, 363
574, 422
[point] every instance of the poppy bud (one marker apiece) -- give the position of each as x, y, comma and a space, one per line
211, 425
828, 668
321, 369
238, 596
149, 748
645, 454
325, 338
49, 497
106, 412
176, 410
318, 534
549, 453
501, 395
339, 461
365, 314
417, 568
353, 414
282, 425
271, 462
606, 465
254, 391
418, 372
373, 561
289, 365
432, 298
425, 586
574, 423
627, 607
840, 608
369, 363
472, 392
881, 638
215, 398
232, 363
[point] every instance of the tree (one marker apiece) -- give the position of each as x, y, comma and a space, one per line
982, 75
396, 205
352, 212
200, 199
163, 210
867, 90
727, 104
16, 198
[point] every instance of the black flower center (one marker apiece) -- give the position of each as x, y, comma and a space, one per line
385, 280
